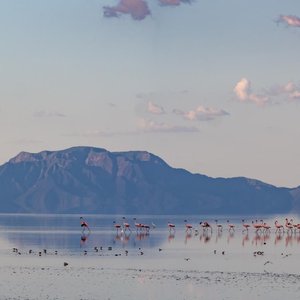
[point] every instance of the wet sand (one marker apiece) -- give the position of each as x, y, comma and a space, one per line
154, 275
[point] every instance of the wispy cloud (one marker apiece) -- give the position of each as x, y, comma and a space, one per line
152, 126
173, 2
201, 113
137, 9
46, 114
289, 20
155, 109
290, 90
243, 92
278, 93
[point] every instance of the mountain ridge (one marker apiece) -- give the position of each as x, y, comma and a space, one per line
94, 180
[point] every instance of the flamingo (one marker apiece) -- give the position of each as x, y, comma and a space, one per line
84, 225
126, 225
257, 226
117, 226
146, 227
138, 226
246, 226
230, 226
171, 226
205, 225
278, 226
188, 227
289, 224
266, 228
219, 226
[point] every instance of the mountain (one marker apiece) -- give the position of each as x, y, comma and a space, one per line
94, 180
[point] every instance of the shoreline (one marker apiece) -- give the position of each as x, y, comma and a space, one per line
160, 277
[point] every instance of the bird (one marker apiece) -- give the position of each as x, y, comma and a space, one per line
257, 226
117, 226
246, 226
188, 227
230, 226
219, 226
171, 226
289, 224
278, 226
138, 226
205, 225
126, 225
84, 225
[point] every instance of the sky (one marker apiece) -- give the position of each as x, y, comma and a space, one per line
211, 86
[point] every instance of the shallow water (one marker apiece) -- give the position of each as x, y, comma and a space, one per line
63, 233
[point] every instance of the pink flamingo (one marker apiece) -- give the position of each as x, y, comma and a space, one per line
188, 227
289, 225
84, 225
138, 226
171, 226
117, 226
126, 225
266, 227
230, 226
246, 226
278, 227
257, 226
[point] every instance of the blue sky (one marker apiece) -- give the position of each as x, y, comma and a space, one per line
209, 86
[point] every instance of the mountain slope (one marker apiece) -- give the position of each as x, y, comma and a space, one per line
94, 180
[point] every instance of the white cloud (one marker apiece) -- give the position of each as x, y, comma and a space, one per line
244, 93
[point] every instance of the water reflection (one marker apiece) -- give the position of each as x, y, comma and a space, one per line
63, 232
83, 239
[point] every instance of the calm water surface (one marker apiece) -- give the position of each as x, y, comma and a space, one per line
63, 233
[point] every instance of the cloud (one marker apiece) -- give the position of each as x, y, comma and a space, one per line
155, 109
151, 126
173, 2
244, 93
290, 21
137, 9
201, 113
291, 90
45, 114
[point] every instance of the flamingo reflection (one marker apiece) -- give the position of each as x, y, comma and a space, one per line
245, 239
278, 237
188, 236
83, 238
205, 236
230, 235
171, 237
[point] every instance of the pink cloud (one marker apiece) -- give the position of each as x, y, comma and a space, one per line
137, 9
244, 93
202, 113
291, 21
173, 2
155, 109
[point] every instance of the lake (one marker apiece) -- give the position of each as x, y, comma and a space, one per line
62, 233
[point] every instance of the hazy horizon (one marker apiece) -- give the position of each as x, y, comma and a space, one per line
210, 87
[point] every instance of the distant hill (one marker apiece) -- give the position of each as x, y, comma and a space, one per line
94, 180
